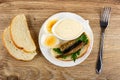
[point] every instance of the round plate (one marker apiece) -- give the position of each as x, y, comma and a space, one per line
46, 52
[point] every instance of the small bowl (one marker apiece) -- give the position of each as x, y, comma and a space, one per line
71, 32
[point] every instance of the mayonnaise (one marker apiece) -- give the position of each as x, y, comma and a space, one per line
67, 29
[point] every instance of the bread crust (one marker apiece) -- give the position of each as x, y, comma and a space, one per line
3, 35
29, 36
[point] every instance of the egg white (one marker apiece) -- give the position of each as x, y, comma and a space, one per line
43, 39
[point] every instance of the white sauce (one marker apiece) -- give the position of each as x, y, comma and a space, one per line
68, 29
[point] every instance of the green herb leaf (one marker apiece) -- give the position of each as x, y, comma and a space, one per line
74, 56
64, 56
86, 41
57, 50
83, 38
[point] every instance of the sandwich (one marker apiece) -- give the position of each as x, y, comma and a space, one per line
73, 49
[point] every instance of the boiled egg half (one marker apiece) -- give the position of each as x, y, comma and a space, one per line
49, 25
49, 40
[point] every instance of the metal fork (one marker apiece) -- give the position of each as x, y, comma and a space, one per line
103, 24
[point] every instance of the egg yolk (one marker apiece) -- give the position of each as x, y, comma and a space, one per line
50, 41
50, 25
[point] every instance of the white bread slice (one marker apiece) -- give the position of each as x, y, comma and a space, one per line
20, 34
13, 50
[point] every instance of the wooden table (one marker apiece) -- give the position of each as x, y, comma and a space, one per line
41, 69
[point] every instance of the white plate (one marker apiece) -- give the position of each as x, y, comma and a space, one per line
46, 51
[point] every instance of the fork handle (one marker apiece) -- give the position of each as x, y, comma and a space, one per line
100, 53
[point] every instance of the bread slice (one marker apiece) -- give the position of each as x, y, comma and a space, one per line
20, 34
13, 50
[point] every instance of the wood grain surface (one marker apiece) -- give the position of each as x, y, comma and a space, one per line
41, 69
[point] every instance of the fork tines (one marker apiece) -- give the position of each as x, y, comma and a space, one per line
105, 14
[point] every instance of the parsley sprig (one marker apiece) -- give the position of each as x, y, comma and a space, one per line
57, 50
75, 55
83, 38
